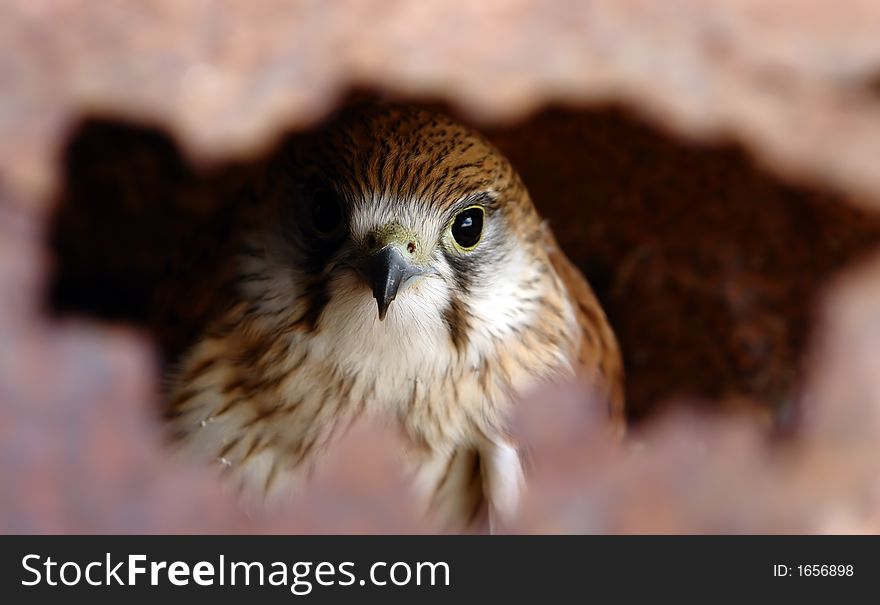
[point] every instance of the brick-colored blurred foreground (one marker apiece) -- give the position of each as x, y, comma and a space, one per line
81, 449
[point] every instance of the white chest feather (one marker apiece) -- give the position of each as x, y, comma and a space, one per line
406, 366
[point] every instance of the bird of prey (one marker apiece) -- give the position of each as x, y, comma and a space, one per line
397, 266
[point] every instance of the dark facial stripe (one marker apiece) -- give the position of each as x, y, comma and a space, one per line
457, 318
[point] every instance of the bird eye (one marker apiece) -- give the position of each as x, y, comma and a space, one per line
467, 227
327, 212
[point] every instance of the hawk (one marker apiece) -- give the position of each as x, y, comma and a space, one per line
395, 265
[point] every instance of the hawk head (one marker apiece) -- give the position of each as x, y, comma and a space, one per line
397, 221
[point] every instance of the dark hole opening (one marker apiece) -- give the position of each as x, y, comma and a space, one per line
707, 266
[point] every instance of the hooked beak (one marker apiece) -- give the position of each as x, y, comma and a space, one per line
386, 271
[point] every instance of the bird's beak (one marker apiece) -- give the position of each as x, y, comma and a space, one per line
386, 271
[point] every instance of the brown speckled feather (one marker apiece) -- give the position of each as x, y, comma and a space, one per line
303, 349
599, 359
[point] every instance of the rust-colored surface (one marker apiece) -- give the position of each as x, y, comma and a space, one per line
713, 271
